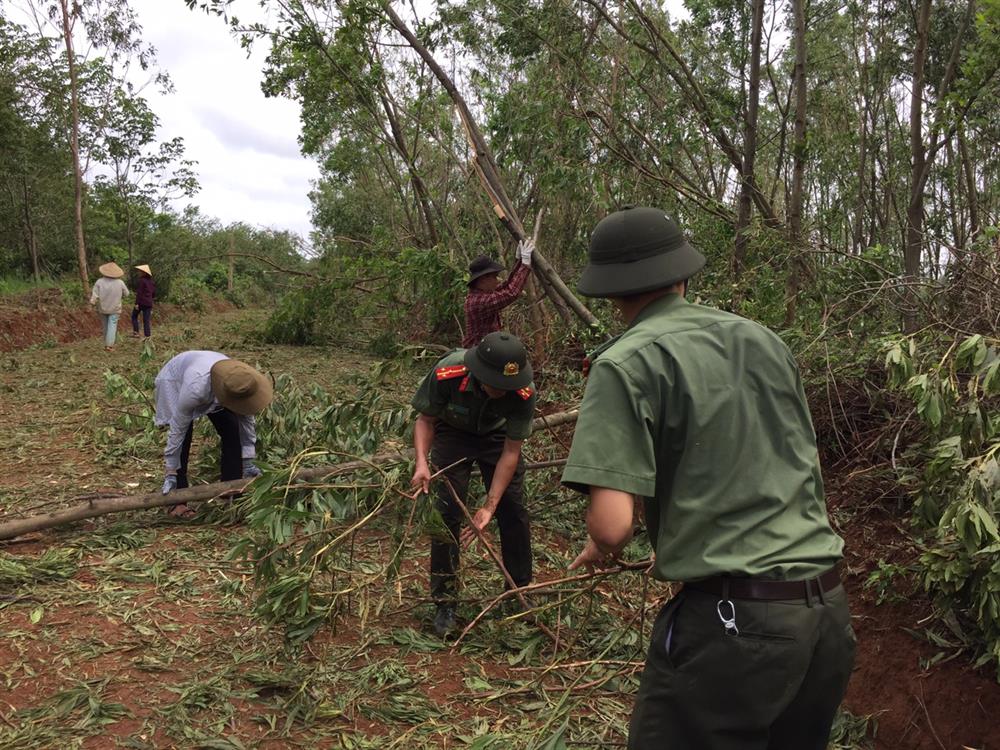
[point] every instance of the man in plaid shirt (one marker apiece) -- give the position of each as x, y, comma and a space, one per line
487, 296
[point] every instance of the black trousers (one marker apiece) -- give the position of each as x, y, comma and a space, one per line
451, 445
775, 685
227, 424
146, 313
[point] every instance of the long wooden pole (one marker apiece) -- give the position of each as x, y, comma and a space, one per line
489, 173
202, 492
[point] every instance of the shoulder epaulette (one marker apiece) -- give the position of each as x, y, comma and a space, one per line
450, 371
525, 392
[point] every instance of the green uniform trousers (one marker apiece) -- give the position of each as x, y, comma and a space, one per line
774, 686
451, 445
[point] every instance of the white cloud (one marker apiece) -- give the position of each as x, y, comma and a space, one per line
249, 164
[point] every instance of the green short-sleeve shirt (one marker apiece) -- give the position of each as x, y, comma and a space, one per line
702, 413
452, 394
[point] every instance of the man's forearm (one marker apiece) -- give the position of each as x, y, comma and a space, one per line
502, 475
423, 437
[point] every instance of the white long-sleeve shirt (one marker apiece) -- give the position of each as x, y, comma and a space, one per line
184, 393
107, 295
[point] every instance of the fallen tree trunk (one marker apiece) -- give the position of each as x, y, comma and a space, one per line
490, 175
203, 492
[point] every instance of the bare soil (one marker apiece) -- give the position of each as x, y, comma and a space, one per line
156, 619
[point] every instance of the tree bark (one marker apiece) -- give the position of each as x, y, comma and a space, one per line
74, 108
203, 492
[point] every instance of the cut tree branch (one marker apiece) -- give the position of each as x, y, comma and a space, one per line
100, 506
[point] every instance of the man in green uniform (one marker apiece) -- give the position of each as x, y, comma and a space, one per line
702, 414
476, 405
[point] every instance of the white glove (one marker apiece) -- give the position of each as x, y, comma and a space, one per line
250, 470
525, 248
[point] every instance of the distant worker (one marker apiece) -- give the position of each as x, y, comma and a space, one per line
487, 296
145, 291
476, 406
198, 383
702, 415
106, 295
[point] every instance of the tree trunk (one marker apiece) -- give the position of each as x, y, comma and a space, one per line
954, 199
232, 262
864, 120
129, 230
200, 493
796, 266
749, 143
915, 208
29, 233
74, 108
972, 192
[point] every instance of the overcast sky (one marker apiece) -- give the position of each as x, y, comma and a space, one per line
245, 145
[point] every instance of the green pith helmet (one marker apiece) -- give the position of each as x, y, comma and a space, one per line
637, 250
500, 361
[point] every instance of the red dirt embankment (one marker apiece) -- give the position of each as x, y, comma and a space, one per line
917, 705
42, 316
922, 697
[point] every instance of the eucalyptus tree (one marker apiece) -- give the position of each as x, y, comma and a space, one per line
113, 44
34, 156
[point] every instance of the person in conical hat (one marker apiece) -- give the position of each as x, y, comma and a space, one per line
700, 415
145, 291
199, 383
106, 295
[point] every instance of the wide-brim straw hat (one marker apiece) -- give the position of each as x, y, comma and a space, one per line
144, 268
240, 387
635, 250
112, 270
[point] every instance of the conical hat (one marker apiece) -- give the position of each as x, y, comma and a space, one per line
112, 270
145, 269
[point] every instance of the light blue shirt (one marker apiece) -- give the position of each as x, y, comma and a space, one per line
184, 393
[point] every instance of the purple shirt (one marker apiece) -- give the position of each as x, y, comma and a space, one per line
145, 292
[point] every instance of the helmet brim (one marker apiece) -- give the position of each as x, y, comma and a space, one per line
486, 374
645, 275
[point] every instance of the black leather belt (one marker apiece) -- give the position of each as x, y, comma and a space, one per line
727, 587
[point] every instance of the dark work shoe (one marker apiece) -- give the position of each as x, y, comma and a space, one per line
519, 607
444, 620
